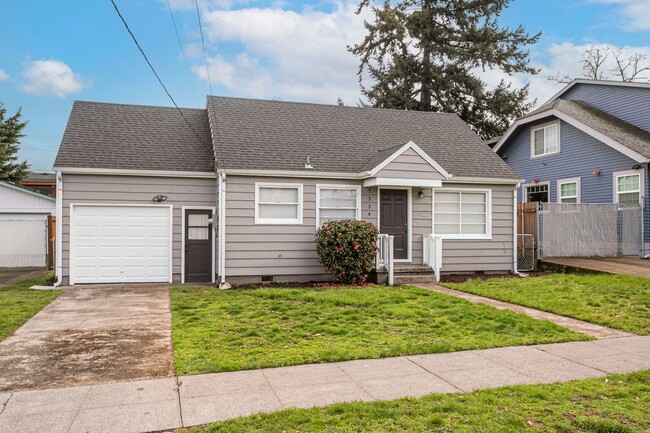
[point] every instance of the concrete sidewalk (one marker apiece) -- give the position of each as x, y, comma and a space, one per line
163, 404
591, 329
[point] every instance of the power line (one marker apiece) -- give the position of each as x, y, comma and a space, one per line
153, 69
180, 45
205, 54
207, 70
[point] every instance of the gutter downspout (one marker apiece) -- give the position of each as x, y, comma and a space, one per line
59, 229
222, 232
514, 230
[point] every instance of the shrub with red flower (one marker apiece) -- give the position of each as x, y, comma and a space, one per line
347, 249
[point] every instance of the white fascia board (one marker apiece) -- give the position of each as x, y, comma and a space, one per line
416, 148
27, 191
289, 173
581, 126
388, 181
483, 180
147, 173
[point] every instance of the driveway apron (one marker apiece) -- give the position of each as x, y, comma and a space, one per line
89, 336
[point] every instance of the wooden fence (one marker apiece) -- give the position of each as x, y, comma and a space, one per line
527, 219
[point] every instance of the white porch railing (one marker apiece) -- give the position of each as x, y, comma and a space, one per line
432, 253
385, 258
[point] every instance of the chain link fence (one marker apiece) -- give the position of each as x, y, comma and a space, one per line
525, 252
23, 243
589, 230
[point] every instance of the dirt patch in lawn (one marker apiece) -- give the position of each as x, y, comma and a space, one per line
90, 336
461, 278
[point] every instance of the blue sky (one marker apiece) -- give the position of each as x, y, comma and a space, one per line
56, 52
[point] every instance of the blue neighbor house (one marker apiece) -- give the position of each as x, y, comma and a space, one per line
590, 143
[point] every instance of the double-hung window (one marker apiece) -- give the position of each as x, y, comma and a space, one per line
278, 203
628, 188
568, 191
463, 214
337, 202
545, 140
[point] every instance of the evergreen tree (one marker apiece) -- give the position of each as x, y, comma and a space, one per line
427, 55
10, 135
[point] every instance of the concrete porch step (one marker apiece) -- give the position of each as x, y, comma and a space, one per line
410, 278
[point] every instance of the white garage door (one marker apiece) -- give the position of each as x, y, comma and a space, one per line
120, 244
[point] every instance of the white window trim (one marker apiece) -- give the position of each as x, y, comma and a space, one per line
409, 205
278, 221
214, 235
618, 174
577, 181
488, 215
532, 138
357, 188
524, 196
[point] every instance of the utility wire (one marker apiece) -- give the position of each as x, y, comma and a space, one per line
210, 101
205, 55
180, 45
153, 70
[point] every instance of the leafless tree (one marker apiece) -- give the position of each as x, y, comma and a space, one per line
626, 67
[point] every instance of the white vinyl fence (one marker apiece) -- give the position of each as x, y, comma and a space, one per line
23, 243
589, 230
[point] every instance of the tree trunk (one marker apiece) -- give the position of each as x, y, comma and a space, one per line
425, 92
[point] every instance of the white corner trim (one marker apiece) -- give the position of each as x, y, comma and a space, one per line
581, 126
319, 186
279, 221
409, 205
183, 209
145, 173
488, 215
560, 182
416, 148
389, 181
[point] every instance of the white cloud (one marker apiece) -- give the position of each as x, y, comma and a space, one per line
286, 54
51, 78
634, 13
4, 76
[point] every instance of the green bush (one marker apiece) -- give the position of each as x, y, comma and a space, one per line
347, 249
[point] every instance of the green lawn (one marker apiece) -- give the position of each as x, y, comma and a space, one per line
18, 303
617, 404
215, 330
617, 301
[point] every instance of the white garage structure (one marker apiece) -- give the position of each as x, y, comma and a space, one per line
23, 226
120, 243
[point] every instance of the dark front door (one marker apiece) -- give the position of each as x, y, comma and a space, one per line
393, 219
198, 246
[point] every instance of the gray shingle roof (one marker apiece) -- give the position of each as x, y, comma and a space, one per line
136, 137
624, 133
277, 135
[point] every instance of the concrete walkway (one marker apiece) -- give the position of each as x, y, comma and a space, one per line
634, 266
163, 404
596, 331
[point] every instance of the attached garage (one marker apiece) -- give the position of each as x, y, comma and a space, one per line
120, 244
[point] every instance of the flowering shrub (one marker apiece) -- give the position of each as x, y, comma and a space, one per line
347, 249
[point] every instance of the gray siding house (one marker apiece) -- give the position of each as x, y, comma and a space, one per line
237, 191
590, 143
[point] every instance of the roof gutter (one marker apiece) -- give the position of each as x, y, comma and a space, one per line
128, 172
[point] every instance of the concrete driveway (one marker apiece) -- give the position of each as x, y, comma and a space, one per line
89, 336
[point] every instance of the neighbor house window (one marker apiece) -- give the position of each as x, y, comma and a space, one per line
628, 188
545, 139
537, 192
463, 214
337, 203
568, 191
278, 203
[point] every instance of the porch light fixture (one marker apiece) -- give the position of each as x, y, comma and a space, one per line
421, 194
596, 172
636, 167
159, 198
535, 180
